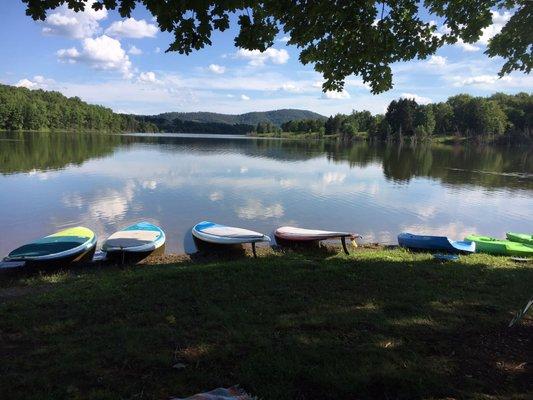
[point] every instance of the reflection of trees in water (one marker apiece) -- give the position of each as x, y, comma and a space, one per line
23, 152
491, 167
277, 149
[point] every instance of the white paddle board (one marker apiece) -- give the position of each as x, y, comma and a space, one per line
221, 234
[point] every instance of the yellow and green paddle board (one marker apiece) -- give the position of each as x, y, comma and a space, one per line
66, 245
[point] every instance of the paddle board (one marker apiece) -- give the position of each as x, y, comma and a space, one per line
65, 246
300, 234
221, 234
142, 237
442, 243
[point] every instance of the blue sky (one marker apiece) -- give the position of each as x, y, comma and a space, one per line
121, 63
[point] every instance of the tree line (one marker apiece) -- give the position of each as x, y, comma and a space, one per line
177, 125
499, 117
39, 110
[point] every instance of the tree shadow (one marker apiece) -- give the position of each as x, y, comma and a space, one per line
300, 326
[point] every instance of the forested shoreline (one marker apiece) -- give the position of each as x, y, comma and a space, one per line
40, 110
497, 118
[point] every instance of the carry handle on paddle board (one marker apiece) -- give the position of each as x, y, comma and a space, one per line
352, 240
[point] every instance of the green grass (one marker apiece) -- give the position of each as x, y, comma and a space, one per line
450, 139
293, 135
379, 324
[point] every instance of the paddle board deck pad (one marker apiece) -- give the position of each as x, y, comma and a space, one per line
520, 237
432, 243
65, 246
221, 234
142, 237
485, 244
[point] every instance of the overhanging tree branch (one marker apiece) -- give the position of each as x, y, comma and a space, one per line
339, 37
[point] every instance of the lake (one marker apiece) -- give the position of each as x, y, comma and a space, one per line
105, 182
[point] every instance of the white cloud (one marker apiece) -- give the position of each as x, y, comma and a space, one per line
257, 58
437, 61
102, 53
244, 97
356, 82
112, 204
41, 79
73, 200
157, 50
467, 46
481, 80
217, 69
26, 83
216, 196
254, 209
37, 82
148, 77
498, 22
290, 87
135, 51
445, 29
332, 94
132, 28
333, 177
74, 25
149, 184
417, 98
284, 39
68, 55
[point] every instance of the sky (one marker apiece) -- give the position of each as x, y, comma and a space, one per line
121, 63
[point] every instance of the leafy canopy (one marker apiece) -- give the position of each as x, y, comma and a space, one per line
340, 37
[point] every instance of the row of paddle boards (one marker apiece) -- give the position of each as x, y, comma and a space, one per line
79, 244
140, 240
143, 238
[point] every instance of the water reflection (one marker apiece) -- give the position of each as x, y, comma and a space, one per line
106, 182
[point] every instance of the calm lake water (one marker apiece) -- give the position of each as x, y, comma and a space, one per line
105, 182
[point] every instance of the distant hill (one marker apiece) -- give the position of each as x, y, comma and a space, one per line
276, 117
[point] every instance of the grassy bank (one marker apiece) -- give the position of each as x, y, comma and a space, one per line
375, 324
449, 139
292, 135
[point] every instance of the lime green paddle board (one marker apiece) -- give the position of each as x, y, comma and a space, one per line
520, 237
485, 244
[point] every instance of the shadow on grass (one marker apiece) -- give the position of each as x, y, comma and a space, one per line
284, 327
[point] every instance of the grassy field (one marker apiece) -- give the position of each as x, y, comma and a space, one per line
378, 324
